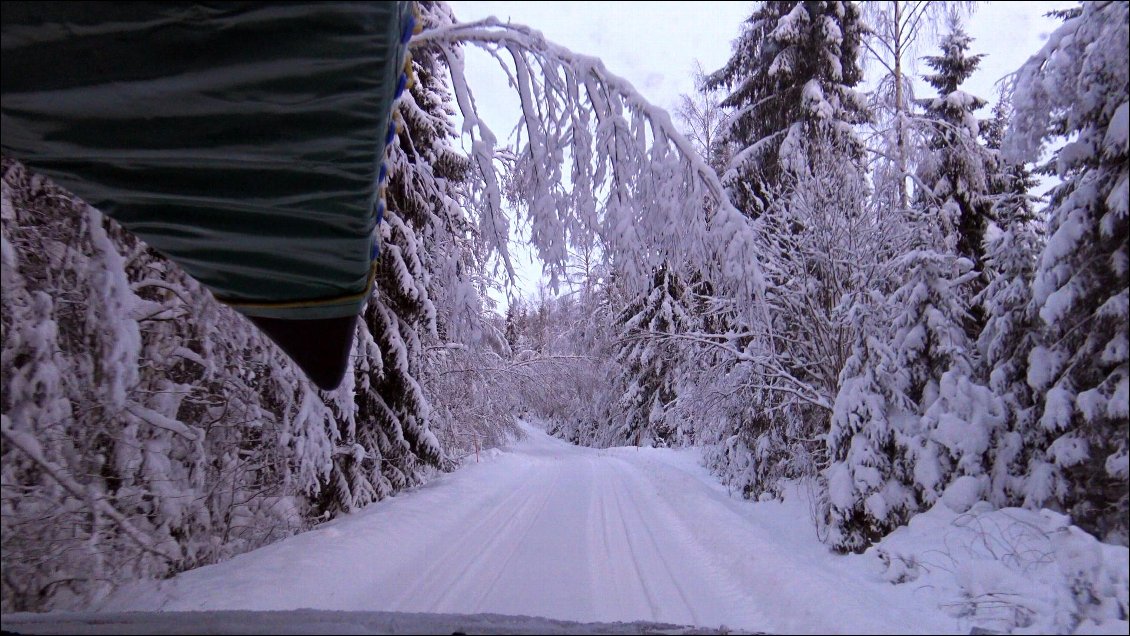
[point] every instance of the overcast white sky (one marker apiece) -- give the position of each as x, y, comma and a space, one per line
654, 45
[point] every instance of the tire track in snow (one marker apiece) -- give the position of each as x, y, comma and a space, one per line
627, 580
696, 544
441, 579
634, 553
516, 544
544, 529
672, 579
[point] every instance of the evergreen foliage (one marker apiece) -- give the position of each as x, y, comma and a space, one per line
954, 173
1011, 329
1075, 90
791, 76
650, 362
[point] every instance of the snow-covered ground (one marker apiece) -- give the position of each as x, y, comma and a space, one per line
317, 622
553, 530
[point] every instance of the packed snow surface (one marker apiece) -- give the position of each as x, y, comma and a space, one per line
623, 535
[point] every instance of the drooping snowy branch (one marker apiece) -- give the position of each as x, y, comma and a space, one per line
597, 161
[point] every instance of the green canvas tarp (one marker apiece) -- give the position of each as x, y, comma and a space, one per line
242, 140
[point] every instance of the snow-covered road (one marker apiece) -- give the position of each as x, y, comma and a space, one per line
569, 533
549, 529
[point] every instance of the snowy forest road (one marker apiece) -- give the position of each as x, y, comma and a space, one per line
548, 529
571, 533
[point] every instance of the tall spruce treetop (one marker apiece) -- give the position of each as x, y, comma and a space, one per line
792, 71
956, 171
1075, 89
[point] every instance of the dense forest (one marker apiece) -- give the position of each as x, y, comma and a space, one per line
814, 279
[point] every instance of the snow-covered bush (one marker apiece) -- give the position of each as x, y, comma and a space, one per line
1010, 570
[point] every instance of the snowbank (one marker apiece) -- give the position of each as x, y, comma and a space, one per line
1010, 570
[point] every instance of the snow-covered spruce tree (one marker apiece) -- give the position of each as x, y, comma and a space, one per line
959, 417
1011, 327
1075, 90
793, 69
515, 324
886, 320
953, 173
791, 131
867, 480
932, 331
909, 419
649, 362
